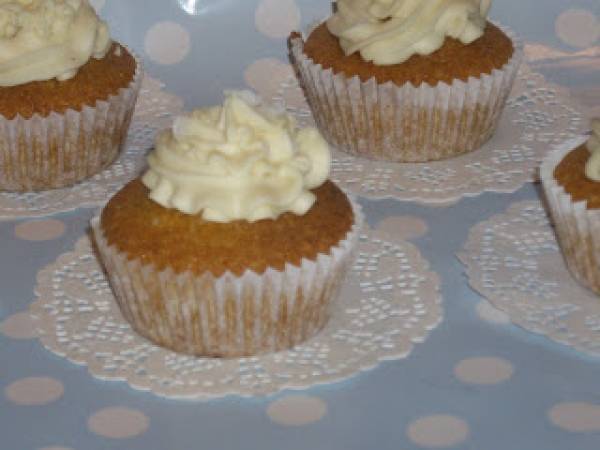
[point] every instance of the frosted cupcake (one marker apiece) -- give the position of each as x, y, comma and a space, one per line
571, 180
234, 242
67, 93
407, 80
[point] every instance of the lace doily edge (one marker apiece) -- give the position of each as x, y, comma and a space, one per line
473, 274
434, 318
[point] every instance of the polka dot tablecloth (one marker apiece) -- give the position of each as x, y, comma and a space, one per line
477, 382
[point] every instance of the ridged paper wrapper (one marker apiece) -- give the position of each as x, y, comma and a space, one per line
577, 227
61, 149
229, 315
404, 123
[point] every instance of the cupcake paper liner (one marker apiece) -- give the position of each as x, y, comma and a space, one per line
404, 123
58, 150
577, 227
228, 316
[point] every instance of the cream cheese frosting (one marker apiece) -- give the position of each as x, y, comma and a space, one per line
389, 32
242, 160
592, 168
46, 39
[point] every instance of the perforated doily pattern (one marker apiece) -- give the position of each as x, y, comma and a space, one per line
153, 111
537, 116
513, 260
389, 302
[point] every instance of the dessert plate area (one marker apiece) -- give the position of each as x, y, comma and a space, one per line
389, 303
458, 327
537, 117
514, 261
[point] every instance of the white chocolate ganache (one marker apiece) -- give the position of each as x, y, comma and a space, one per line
389, 32
47, 39
242, 160
592, 168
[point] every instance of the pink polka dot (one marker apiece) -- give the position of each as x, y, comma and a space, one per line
577, 417
578, 28
34, 391
277, 18
266, 75
40, 230
118, 423
438, 431
297, 410
167, 43
404, 227
18, 326
484, 371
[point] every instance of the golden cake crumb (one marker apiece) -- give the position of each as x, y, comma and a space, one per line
167, 238
570, 174
454, 60
96, 80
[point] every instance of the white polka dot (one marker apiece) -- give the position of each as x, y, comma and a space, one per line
40, 230
297, 410
167, 43
277, 18
484, 370
98, 4
18, 326
578, 28
438, 431
266, 75
576, 416
404, 227
34, 391
118, 423
489, 313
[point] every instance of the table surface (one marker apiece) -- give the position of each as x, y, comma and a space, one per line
199, 48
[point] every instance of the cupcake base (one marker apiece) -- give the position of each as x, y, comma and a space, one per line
404, 123
61, 149
228, 316
577, 227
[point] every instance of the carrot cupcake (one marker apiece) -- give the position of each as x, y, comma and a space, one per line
406, 80
233, 242
67, 93
571, 180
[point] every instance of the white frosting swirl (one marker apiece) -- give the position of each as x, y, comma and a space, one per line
242, 160
391, 31
45, 39
592, 168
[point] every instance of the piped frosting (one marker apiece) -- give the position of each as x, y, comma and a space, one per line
46, 39
389, 32
242, 160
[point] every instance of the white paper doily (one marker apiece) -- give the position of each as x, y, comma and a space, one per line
388, 303
153, 111
514, 261
537, 116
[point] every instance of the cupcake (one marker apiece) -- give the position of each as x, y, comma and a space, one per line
67, 94
571, 179
406, 80
233, 242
